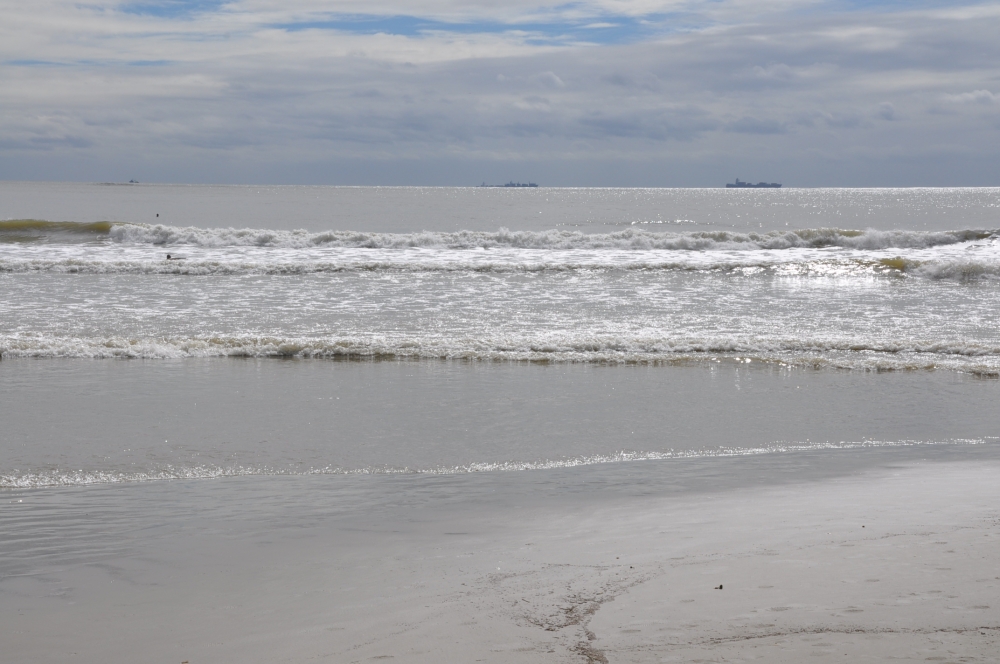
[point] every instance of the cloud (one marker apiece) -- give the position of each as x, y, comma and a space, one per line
548, 79
749, 125
46, 143
975, 97
886, 111
781, 73
679, 124
310, 81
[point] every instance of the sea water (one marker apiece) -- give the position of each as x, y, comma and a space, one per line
321, 355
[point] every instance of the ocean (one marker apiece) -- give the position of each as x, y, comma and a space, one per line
330, 374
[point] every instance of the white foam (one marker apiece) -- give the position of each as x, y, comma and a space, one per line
67, 478
962, 261
977, 357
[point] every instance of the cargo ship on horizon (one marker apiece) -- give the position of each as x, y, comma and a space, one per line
748, 185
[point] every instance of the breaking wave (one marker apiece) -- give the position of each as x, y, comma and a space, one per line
553, 239
627, 239
977, 357
124, 248
26, 230
957, 269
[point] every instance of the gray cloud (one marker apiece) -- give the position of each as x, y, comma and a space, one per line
886, 111
748, 125
827, 94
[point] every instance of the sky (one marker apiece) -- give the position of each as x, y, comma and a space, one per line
657, 93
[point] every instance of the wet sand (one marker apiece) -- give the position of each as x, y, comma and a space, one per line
899, 564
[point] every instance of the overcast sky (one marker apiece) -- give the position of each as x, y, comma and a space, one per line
452, 92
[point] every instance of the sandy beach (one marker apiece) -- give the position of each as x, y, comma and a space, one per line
899, 564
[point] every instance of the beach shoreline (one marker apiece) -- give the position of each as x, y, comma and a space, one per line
898, 562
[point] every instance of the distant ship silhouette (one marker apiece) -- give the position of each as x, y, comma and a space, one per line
510, 184
747, 185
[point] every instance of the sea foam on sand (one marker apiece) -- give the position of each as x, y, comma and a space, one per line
899, 564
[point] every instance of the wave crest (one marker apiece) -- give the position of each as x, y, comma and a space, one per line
639, 239
27, 230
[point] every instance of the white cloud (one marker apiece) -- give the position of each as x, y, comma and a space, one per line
548, 79
975, 97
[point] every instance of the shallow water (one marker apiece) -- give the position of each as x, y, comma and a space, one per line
418, 357
75, 422
475, 346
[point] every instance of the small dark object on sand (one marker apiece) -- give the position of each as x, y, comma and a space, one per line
718, 587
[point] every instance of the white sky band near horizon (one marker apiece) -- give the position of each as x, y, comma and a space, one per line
643, 93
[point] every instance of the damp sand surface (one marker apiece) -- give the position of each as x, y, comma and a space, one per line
898, 560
